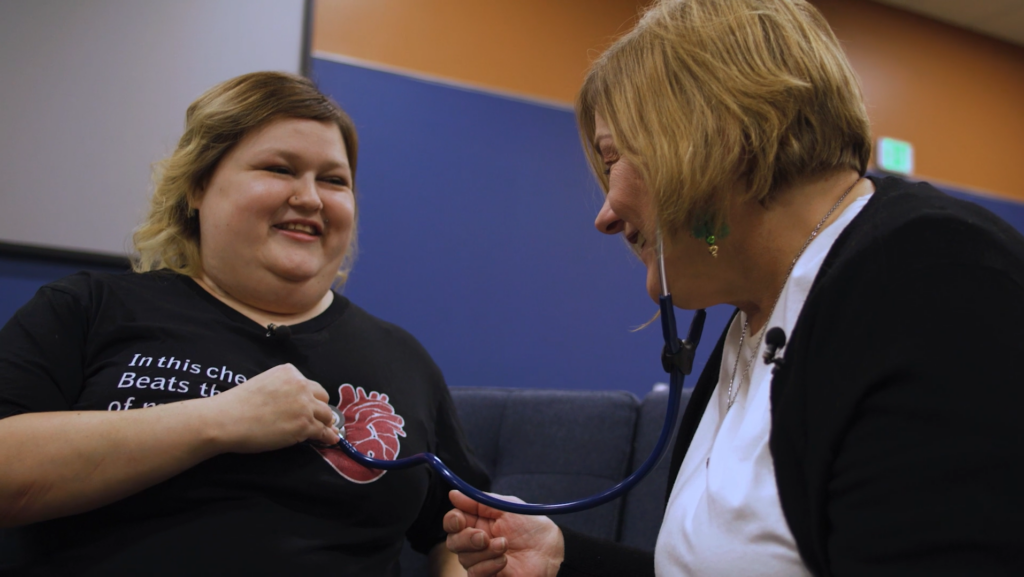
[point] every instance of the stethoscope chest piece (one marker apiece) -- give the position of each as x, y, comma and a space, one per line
338, 420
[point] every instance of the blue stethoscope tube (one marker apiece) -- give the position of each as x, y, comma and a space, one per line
677, 359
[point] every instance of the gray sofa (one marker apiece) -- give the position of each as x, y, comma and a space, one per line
548, 446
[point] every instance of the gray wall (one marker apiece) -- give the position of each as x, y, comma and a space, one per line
93, 92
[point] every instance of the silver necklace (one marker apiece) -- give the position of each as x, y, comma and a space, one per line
731, 395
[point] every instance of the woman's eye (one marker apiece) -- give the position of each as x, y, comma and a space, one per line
336, 180
608, 163
278, 169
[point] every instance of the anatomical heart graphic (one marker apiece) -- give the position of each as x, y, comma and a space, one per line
371, 426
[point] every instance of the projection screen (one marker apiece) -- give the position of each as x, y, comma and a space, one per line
93, 93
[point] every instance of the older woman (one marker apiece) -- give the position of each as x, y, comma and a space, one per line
173, 421
886, 439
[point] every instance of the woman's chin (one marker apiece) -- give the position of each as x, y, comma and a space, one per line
300, 268
680, 299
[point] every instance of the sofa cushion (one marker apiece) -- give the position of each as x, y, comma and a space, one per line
554, 446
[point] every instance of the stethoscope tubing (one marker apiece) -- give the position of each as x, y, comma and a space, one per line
673, 348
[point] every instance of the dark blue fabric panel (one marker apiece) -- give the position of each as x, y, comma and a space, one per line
589, 434
1008, 210
20, 278
481, 410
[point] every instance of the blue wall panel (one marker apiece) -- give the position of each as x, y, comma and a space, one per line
1011, 212
476, 234
21, 277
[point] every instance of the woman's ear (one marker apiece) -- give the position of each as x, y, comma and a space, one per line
195, 199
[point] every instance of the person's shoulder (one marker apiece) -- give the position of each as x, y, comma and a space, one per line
384, 341
81, 284
898, 203
909, 224
85, 281
90, 286
376, 329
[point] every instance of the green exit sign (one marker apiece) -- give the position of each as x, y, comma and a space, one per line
895, 156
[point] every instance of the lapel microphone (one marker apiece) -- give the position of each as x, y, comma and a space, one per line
774, 340
281, 332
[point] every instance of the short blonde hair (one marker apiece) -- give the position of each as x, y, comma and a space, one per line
705, 94
214, 124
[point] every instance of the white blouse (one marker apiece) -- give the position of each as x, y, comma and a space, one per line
724, 516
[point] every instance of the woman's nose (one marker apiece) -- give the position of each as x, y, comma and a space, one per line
607, 221
305, 195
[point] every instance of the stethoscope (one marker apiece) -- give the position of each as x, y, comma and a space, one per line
677, 360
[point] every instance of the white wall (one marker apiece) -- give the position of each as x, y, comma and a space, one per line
93, 92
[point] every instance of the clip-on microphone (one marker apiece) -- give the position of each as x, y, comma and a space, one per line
774, 340
280, 332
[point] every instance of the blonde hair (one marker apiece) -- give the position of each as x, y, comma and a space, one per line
705, 94
214, 124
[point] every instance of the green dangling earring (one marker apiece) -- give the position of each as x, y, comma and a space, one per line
712, 247
706, 231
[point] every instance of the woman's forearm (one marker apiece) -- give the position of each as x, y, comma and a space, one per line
63, 463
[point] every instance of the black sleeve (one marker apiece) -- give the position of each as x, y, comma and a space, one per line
587, 556
928, 478
41, 353
454, 451
927, 464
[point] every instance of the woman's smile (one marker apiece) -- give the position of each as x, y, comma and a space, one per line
301, 230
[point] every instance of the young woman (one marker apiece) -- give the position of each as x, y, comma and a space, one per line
172, 421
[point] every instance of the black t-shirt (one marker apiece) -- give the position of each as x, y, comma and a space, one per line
123, 342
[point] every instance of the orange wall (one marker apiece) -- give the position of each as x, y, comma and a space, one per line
956, 95
534, 47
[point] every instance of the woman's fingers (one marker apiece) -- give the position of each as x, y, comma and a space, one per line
324, 431
322, 413
326, 435
454, 521
471, 507
486, 568
276, 409
319, 393
463, 503
468, 541
478, 554
488, 541
494, 549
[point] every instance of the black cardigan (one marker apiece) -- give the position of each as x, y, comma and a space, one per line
898, 415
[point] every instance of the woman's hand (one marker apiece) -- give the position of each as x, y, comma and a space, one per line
275, 409
491, 542
112, 454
